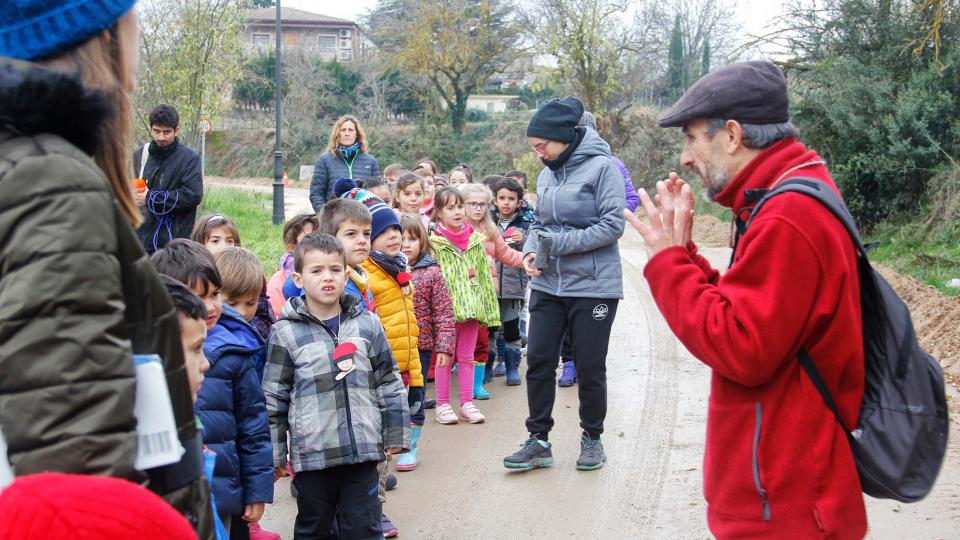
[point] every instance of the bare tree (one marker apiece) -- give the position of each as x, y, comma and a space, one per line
189, 54
455, 44
707, 20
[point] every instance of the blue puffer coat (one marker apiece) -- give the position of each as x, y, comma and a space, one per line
331, 167
233, 412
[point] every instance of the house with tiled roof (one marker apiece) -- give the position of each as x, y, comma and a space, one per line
331, 38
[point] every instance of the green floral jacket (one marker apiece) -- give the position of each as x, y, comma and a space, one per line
467, 274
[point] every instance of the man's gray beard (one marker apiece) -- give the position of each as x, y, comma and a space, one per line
717, 181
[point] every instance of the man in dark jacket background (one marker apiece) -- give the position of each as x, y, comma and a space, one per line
777, 463
174, 182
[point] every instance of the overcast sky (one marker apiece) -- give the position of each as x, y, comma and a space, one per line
754, 14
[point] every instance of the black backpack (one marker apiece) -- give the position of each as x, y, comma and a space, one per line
901, 434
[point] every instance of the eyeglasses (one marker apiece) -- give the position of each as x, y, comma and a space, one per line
477, 205
539, 147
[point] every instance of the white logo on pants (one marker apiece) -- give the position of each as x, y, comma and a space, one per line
600, 312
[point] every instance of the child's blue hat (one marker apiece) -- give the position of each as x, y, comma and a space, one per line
35, 29
382, 217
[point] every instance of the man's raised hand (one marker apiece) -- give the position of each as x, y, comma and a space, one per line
671, 220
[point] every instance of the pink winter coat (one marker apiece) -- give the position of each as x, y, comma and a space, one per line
433, 307
498, 250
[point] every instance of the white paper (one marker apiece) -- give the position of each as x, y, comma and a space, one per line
6, 473
157, 440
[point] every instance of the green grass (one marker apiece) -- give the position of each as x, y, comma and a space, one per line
933, 257
252, 212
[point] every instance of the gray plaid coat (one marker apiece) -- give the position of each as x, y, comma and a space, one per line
332, 423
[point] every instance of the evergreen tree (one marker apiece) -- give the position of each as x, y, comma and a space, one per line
676, 81
705, 59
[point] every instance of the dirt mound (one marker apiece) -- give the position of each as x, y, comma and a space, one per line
936, 318
709, 231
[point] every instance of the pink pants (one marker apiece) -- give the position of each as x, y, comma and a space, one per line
466, 342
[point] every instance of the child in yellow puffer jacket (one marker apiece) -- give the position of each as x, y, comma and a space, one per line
392, 288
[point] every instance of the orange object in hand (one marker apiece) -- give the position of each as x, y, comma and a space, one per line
140, 184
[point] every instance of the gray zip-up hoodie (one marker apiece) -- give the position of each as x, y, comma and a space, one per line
581, 207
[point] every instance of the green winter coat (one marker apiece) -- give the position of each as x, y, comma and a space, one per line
473, 298
78, 297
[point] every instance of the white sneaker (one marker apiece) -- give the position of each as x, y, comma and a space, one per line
445, 414
470, 413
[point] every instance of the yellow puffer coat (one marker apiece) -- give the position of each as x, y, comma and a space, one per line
399, 323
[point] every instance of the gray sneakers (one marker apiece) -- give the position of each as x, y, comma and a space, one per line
592, 456
532, 455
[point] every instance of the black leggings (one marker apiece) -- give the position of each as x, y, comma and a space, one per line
589, 322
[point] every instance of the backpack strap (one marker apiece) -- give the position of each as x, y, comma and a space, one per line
828, 198
808, 366
143, 159
819, 191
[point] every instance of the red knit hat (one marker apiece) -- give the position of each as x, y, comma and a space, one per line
55, 506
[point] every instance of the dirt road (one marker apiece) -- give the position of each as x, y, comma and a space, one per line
651, 486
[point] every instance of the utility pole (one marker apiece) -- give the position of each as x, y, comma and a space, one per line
277, 152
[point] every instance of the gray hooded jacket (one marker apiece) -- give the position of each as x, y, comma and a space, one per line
581, 207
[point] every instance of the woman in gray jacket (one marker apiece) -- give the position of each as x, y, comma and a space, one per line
346, 157
571, 253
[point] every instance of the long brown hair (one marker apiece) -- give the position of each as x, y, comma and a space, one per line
100, 65
335, 134
410, 223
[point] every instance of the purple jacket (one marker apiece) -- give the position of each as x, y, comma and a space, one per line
633, 200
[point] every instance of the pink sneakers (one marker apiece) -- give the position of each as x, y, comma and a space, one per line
470, 413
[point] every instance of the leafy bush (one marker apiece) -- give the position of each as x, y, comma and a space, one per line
880, 104
476, 115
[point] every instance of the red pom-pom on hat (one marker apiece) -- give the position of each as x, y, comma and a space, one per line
403, 278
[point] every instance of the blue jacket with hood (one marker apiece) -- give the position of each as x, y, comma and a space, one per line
233, 412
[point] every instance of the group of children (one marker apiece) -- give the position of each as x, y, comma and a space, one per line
321, 371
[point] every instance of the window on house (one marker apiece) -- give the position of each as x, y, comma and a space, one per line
261, 40
328, 42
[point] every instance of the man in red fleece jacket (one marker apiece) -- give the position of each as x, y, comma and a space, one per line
777, 463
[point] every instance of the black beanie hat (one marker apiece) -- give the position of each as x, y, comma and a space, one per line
556, 120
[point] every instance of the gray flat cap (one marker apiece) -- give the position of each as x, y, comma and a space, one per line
750, 93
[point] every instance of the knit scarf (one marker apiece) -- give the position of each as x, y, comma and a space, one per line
157, 151
460, 239
556, 164
350, 152
391, 265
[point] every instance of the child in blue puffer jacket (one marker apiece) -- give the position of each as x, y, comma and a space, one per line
230, 404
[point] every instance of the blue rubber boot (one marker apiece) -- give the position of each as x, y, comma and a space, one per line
569, 375
408, 460
479, 392
488, 372
513, 367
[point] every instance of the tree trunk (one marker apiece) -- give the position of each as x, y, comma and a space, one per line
458, 112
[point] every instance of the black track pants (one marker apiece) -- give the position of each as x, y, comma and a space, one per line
588, 321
